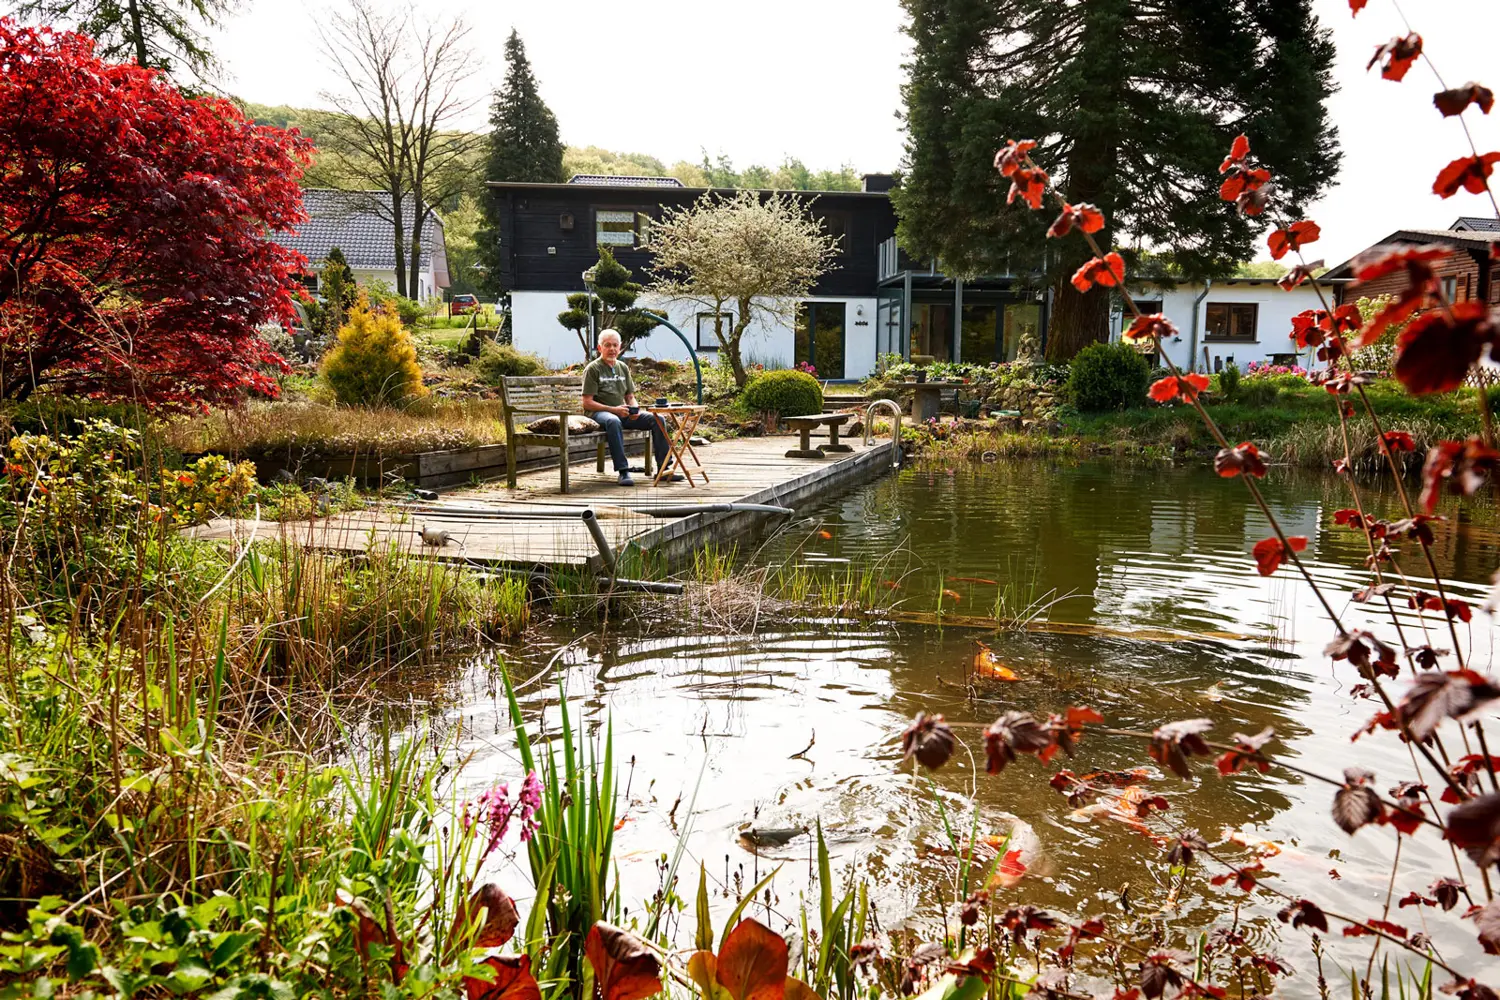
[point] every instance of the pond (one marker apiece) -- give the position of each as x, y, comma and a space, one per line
1152, 566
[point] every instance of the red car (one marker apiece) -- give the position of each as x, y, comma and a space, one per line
463, 305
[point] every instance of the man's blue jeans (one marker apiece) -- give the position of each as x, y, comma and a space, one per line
614, 432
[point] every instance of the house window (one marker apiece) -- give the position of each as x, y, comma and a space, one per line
1450, 288
621, 228
707, 339
836, 225
1232, 320
1148, 307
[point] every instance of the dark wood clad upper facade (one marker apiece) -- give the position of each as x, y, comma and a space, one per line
1469, 275
549, 232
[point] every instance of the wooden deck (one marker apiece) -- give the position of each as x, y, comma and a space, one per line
537, 525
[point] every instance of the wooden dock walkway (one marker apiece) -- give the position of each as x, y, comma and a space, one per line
536, 525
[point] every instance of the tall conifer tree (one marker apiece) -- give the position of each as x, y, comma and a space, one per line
1134, 104
524, 146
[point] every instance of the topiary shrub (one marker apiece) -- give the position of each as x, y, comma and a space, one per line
1108, 377
497, 361
784, 393
375, 361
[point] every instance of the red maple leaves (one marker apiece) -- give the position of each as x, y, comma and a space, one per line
1471, 173
137, 226
1399, 53
1187, 386
1150, 326
1293, 237
1107, 271
1421, 281
1027, 181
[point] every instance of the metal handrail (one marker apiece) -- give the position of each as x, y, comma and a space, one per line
895, 428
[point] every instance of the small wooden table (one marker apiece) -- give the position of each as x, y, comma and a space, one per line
678, 423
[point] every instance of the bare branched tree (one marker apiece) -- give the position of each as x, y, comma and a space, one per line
395, 120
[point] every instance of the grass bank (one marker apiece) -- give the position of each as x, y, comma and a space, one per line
1297, 424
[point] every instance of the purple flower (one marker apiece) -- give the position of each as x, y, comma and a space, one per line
530, 800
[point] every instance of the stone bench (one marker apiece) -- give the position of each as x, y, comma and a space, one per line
804, 425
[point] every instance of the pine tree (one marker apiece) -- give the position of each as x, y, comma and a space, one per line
1134, 104
158, 34
340, 293
613, 303
524, 145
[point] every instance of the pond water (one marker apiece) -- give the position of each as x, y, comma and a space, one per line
1127, 551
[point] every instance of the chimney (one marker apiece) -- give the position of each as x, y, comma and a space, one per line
878, 183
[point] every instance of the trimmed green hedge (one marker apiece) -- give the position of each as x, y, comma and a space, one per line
785, 393
1108, 377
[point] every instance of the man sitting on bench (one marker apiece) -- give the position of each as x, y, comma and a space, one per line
609, 400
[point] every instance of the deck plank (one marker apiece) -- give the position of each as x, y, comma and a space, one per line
492, 525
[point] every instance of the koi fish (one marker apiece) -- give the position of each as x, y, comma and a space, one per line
953, 595
1214, 692
890, 585
1019, 851
1124, 808
826, 535
972, 579
986, 665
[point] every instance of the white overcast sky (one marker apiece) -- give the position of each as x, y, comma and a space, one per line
820, 80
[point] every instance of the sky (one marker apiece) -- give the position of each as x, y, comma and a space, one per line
820, 80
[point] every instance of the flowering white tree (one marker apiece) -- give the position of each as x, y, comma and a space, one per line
762, 253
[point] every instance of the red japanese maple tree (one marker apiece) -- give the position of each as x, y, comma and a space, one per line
136, 258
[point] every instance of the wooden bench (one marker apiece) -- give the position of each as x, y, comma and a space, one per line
804, 425
559, 396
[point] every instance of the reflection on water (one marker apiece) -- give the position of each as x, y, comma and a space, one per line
1136, 549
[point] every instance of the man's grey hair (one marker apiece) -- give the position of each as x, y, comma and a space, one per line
610, 333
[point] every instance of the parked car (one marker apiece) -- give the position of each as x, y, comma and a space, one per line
464, 304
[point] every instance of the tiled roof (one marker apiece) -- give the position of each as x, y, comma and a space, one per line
352, 221
1478, 223
624, 180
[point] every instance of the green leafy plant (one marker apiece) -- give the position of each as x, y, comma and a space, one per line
784, 393
1108, 377
1229, 382
497, 361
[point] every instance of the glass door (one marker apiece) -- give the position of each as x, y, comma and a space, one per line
980, 334
820, 338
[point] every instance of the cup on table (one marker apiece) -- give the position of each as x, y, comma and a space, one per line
635, 411
661, 401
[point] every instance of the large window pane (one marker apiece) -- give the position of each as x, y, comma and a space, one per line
615, 228
828, 349
978, 343
1231, 320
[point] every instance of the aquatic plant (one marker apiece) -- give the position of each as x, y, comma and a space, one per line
1439, 715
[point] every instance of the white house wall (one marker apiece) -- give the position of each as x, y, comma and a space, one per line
534, 328
1276, 307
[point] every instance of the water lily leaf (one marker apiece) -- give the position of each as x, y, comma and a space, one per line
624, 967
512, 981
753, 962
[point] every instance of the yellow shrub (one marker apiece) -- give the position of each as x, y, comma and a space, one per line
375, 362
210, 488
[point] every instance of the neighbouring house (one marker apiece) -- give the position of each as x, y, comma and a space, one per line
1468, 275
359, 224
1229, 320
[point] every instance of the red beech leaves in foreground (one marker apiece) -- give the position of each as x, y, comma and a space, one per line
624, 967
1011, 734
1187, 386
1435, 352
1107, 271
1464, 465
1013, 156
1438, 695
512, 980
752, 963
1243, 459
1269, 553
1456, 101
1304, 913
500, 917
1398, 53
1240, 178
1028, 184
1150, 326
1312, 326
1246, 753
1299, 274
1472, 173
1086, 217
1293, 237
928, 739
1355, 6
1356, 804
1173, 743
1369, 655
1475, 826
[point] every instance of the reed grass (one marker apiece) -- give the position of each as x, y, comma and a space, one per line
273, 427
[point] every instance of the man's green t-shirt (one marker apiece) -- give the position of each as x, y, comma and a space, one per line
608, 384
